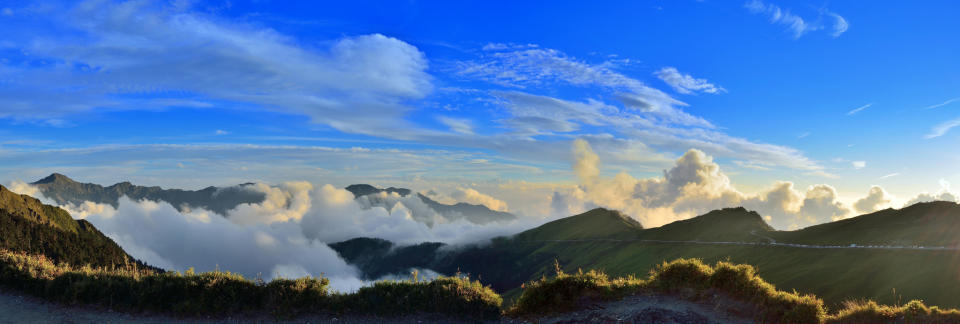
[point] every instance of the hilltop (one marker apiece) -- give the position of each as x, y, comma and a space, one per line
29, 226
599, 223
64, 190
723, 225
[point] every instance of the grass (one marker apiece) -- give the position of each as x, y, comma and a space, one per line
727, 286
218, 293
724, 285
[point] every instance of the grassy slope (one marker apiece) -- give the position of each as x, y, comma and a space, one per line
927, 224
835, 275
598, 223
28, 225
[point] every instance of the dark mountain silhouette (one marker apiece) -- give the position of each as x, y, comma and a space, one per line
477, 214
64, 190
27, 225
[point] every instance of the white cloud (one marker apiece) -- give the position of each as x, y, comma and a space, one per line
950, 101
8, 12
458, 125
221, 132
942, 128
693, 186
859, 109
888, 176
685, 83
472, 196
794, 23
858, 164
353, 84
876, 199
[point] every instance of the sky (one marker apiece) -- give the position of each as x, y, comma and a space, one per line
664, 109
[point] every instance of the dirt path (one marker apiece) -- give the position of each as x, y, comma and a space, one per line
17, 308
646, 309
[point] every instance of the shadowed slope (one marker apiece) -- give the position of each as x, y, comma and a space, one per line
726, 225
599, 223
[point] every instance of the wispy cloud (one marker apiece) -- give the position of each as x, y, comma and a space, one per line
950, 101
685, 83
942, 128
859, 109
889, 176
796, 24
858, 164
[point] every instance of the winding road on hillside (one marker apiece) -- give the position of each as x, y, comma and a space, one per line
771, 242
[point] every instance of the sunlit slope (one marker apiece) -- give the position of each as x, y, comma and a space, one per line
924, 224
599, 223
723, 225
27, 225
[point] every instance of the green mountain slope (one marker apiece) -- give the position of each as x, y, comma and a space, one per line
924, 224
835, 274
724, 225
64, 190
599, 223
27, 225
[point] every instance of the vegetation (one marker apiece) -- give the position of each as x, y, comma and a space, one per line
729, 287
32, 227
834, 275
215, 293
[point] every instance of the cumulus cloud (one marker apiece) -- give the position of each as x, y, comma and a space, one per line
693, 186
285, 235
876, 199
472, 196
685, 83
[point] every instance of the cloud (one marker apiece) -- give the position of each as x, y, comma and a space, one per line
876, 198
858, 164
794, 23
693, 186
888, 176
458, 125
943, 195
111, 51
472, 196
859, 109
942, 128
950, 101
221, 132
8, 12
685, 83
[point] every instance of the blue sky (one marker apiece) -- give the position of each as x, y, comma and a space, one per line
187, 94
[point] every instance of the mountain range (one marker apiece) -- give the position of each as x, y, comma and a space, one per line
867, 256
64, 190
477, 214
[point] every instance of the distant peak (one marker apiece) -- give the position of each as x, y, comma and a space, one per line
55, 178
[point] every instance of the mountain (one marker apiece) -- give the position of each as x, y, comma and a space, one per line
377, 257
723, 225
934, 223
365, 189
64, 190
599, 223
601, 239
27, 225
477, 214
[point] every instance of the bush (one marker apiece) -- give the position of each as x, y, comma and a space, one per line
218, 293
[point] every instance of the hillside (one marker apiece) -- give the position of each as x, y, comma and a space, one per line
64, 190
27, 225
724, 225
924, 224
477, 214
599, 223
609, 242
